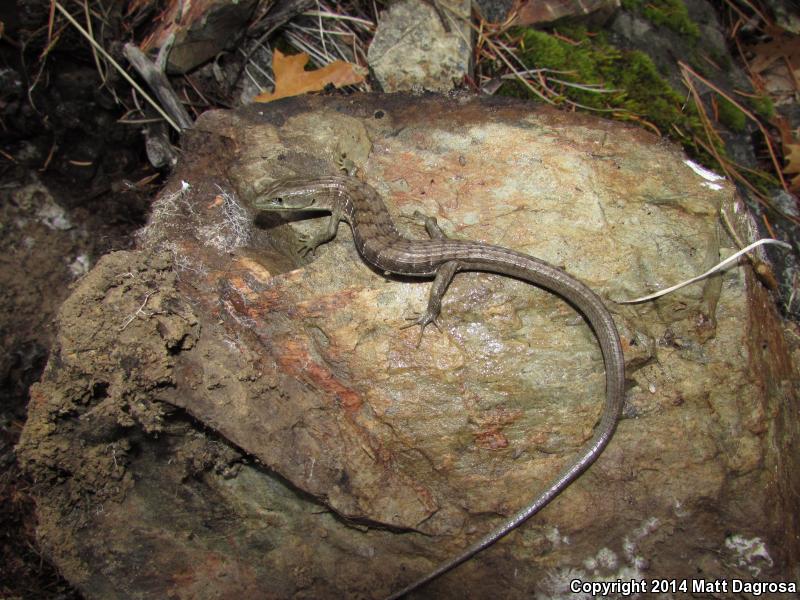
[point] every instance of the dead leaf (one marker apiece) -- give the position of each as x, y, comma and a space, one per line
784, 127
291, 78
538, 12
792, 157
784, 46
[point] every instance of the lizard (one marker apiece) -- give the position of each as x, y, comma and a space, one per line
380, 244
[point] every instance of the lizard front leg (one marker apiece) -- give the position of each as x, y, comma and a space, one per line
309, 245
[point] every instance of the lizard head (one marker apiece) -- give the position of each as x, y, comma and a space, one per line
287, 195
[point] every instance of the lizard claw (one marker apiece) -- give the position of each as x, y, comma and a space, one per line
423, 320
306, 246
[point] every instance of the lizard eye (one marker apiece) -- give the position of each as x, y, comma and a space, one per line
278, 201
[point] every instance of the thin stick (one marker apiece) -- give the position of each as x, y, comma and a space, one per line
687, 69
329, 15
91, 33
116, 65
159, 84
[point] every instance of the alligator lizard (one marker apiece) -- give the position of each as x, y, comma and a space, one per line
380, 245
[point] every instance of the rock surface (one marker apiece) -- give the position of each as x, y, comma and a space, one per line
223, 417
419, 48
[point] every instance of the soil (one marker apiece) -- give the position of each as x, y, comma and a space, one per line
65, 201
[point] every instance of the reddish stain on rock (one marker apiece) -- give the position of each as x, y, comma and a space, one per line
491, 439
296, 360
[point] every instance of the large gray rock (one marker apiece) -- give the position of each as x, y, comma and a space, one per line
215, 343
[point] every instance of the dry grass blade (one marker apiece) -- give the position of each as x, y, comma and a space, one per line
731, 169
749, 5
261, 71
338, 17
644, 122
716, 268
775, 163
488, 36
734, 172
50, 21
100, 71
586, 87
502, 52
116, 65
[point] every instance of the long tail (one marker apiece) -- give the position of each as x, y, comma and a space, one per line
587, 302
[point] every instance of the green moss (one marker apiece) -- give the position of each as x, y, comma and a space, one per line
763, 106
730, 116
734, 119
671, 14
633, 87
634, 90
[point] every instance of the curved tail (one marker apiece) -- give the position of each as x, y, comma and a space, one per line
507, 262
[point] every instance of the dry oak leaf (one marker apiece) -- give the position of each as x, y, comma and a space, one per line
792, 157
783, 45
291, 78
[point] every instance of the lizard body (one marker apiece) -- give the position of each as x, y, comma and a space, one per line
380, 245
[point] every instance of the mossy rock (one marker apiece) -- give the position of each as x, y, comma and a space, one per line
671, 14
628, 82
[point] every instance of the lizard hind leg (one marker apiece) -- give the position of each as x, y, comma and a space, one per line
444, 275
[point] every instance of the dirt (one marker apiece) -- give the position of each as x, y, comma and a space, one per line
44, 248
64, 202
102, 424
